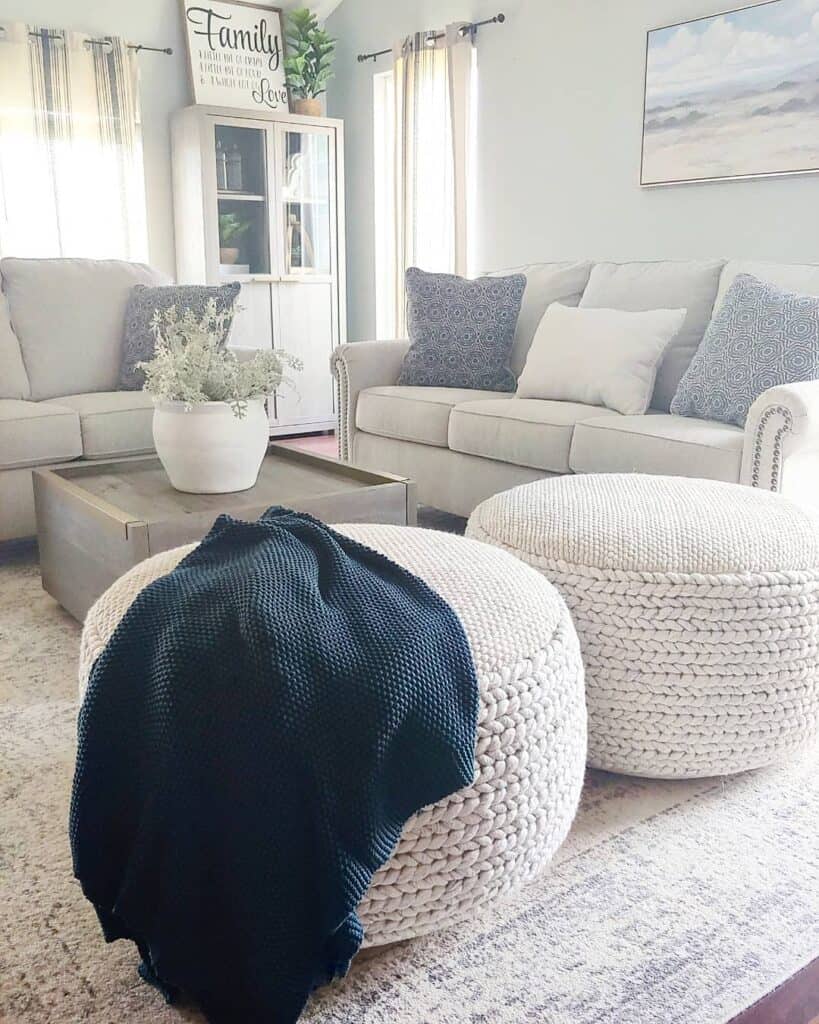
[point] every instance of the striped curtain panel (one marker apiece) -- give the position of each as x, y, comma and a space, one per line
71, 172
433, 86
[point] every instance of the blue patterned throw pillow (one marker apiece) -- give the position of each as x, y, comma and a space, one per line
145, 300
761, 336
461, 331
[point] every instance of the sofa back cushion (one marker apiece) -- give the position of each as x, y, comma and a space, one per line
802, 278
667, 284
68, 315
13, 377
545, 283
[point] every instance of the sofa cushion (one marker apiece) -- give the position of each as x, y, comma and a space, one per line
69, 317
545, 283
657, 443
598, 356
146, 301
37, 433
761, 337
526, 431
461, 331
413, 414
791, 277
113, 423
13, 377
636, 287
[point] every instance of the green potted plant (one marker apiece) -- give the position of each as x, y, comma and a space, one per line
210, 425
309, 61
232, 230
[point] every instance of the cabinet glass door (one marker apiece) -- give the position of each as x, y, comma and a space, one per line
242, 200
306, 214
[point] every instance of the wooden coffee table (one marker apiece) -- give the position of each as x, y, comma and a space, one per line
95, 520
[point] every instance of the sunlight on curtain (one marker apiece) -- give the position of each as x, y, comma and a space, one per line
384, 182
423, 116
71, 173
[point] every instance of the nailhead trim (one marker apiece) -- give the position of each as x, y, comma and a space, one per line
775, 482
339, 370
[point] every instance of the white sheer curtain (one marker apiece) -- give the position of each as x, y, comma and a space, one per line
432, 92
71, 173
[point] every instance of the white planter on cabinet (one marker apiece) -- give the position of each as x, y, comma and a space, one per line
206, 449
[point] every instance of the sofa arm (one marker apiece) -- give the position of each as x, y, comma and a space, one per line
360, 365
781, 450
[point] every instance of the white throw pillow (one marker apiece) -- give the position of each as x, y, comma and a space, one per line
545, 283
598, 356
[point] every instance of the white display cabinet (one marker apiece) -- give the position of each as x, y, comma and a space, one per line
259, 199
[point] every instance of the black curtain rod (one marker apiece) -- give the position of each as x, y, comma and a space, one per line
466, 30
103, 42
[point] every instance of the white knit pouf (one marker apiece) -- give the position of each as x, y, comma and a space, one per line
697, 607
531, 745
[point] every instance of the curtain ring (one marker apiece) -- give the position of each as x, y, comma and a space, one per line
108, 44
46, 35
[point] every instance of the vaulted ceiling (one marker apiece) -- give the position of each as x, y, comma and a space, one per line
322, 8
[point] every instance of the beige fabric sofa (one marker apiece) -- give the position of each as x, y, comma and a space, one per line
61, 324
463, 446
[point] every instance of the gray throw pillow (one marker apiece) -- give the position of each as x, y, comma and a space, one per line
461, 331
760, 337
145, 300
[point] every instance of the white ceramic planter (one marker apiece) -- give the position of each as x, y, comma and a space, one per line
206, 449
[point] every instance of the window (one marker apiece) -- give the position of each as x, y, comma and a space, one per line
384, 175
71, 175
423, 128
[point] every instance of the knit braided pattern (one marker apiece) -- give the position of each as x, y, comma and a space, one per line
482, 841
697, 607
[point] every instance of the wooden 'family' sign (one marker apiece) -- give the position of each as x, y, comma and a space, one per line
235, 54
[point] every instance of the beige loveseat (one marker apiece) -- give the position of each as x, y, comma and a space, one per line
61, 325
463, 446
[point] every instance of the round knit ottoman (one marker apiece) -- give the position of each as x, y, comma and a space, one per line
697, 608
531, 743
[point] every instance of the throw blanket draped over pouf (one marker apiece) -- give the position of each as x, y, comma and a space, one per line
697, 607
254, 735
466, 850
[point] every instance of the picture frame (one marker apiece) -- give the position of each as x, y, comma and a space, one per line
236, 51
715, 108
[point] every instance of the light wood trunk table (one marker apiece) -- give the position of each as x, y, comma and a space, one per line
97, 519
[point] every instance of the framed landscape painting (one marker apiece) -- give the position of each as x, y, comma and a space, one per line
735, 95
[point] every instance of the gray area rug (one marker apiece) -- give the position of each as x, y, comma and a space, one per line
669, 902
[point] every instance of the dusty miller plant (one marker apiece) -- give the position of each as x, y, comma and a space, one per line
191, 364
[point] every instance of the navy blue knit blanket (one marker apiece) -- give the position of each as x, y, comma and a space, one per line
255, 734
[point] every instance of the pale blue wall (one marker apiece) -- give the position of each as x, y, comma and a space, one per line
559, 143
